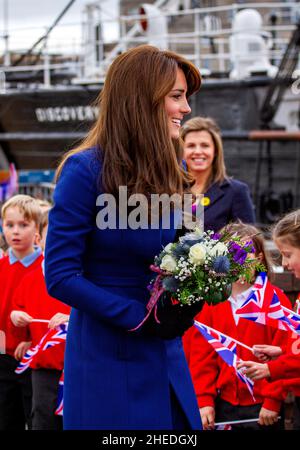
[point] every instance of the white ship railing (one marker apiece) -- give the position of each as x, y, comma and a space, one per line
194, 42
132, 35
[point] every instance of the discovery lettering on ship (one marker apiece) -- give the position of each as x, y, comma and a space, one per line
67, 113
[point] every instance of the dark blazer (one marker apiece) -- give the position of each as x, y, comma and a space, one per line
114, 379
227, 202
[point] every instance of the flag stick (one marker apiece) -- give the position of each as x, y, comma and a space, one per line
291, 311
216, 331
235, 422
40, 320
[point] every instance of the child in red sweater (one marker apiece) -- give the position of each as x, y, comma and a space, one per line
221, 395
284, 367
21, 217
31, 301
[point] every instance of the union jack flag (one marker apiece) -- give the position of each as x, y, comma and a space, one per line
60, 397
226, 427
226, 352
293, 318
53, 337
263, 306
26, 360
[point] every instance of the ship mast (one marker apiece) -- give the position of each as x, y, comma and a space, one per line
5, 34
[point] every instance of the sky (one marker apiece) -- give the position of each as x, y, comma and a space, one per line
27, 20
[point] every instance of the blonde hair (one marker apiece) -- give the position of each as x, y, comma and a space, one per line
288, 229
29, 207
44, 221
132, 129
44, 204
208, 124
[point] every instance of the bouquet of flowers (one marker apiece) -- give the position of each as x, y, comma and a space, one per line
201, 267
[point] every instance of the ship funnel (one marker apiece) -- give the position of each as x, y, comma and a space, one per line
154, 25
249, 46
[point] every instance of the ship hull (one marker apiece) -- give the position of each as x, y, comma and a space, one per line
38, 126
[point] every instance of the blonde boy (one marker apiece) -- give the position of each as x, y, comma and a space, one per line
32, 301
21, 216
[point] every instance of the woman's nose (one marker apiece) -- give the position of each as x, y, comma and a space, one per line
185, 108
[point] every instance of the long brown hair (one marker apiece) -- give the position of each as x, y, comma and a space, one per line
208, 124
132, 129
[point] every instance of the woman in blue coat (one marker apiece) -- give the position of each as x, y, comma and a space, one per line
97, 264
224, 200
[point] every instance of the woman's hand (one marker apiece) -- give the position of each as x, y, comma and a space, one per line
58, 319
254, 370
266, 352
20, 318
267, 417
22, 349
207, 414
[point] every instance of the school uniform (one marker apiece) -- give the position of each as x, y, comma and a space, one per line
282, 386
33, 298
15, 390
286, 366
216, 383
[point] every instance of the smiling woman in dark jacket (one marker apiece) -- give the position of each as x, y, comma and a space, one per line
225, 200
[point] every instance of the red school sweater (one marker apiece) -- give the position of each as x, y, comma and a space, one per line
33, 298
211, 376
285, 371
286, 366
11, 276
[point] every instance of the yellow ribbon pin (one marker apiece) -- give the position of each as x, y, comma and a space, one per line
205, 201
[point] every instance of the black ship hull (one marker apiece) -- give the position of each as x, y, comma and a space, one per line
38, 126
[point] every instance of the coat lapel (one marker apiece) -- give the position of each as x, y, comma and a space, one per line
214, 193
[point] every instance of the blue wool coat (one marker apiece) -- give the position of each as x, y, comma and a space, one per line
114, 379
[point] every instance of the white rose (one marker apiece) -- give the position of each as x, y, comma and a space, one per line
168, 263
219, 249
197, 254
168, 247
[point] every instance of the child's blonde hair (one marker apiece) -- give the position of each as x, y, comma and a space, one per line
3, 243
43, 221
244, 230
44, 204
29, 206
288, 229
